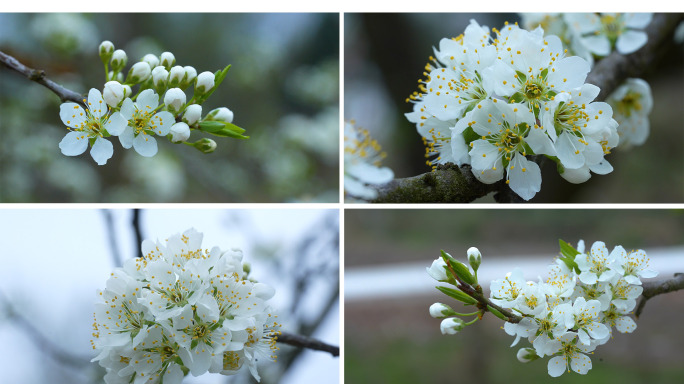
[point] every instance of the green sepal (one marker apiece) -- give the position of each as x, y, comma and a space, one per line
211, 126
469, 135
496, 313
568, 253
193, 344
460, 269
456, 294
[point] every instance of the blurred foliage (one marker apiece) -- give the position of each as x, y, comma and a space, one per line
385, 56
282, 87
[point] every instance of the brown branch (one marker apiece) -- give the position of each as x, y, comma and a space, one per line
307, 342
448, 185
654, 288
39, 77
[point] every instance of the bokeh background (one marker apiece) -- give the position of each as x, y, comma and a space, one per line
283, 87
54, 260
391, 338
385, 56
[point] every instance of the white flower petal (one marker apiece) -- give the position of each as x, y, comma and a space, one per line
116, 124
631, 41
638, 20
557, 366
525, 177
599, 45
580, 363
163, 122
126, 137
625, 324
102, 151
145, 145
72, 114
96, 103
147, 100
74, 143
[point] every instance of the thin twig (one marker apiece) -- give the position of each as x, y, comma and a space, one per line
111, 235
307, 342
137, 232
38, 75
654, 288
447, 185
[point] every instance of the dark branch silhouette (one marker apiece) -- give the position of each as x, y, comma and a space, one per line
654, 288
449, 184
307, 342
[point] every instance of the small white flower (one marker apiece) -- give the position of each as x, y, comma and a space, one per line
437, 270
362, 157
595, 265
632, 265
205, 82
138, 73
583, 315
174, 99
571, 356
193, 113
504, 292
632, 103
94, 123
602, 32
143, 122
617, 317
113, 93
451, 326
180, 132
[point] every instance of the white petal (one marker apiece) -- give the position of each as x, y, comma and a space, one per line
580, 363
601, 168
72, 114
525, 177
102, 151
631, 41
370, 174
116, 124
127, 109
145, 145
625, 324
484, 155
588, 277
599, 45
570, 73
74, 143
638, 20
96, 103
357, 189
126, 137
147, 100
163, 122
577, 176
557, 366
173, 375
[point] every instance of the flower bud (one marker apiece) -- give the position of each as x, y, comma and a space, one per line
205, 145
113, 93
138, 73
437, 271
474, 258
451, 326
159, 77
167, 60
220, 114
106, 51
192, 114
119, 60
151, 60
180, 132
525, 355
174, 100
118, 77
176, 76
440, 311
205, 82
190, 76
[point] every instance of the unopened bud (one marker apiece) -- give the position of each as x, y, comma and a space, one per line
176, 75
192, 114
160, 77
474, 258
451, 326
106, 51
138, 73
205, 145
180, 132
174, 100
151, 60
113, 93
205, 82
220, 114
440, 311
167, 60
437, 270
190, 76
525, 355
119, 60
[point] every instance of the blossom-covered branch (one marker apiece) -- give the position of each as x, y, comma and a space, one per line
307, 342
569, 125
654, 288
39, 77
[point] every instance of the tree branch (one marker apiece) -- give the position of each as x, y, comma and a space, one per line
135, 223
307, 342
654, 288
447, 185
38, 75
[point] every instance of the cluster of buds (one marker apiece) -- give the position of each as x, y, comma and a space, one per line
158, 106
586, 295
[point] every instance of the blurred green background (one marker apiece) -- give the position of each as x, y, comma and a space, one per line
385, 56
283, 87
394, 340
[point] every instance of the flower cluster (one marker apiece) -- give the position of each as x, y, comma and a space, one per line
586, 294
362, 157
181, 309
159, 107
494, 101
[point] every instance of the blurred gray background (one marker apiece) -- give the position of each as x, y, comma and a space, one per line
391, 338
283, 87
54, 260
385, 56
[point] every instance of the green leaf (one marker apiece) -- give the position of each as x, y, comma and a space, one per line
456, 294
496, 313
460, 269
211, 126
569, 253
